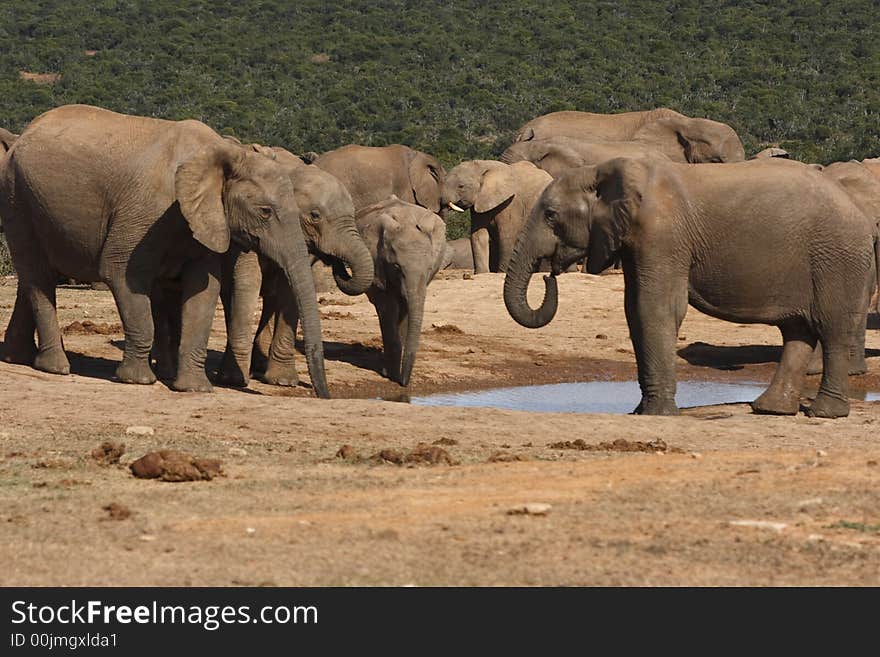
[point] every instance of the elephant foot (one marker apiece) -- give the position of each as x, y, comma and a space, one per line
827, 406
773, 403
192, 381
230, 373
135, 371
53, 361
277, 374
165, 370
19, 352
656, 406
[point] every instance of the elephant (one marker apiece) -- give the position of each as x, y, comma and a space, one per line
679, 137
326, 215
764, 241
459, 254
557, 154
373, 173
132, 201
500, 197
407, 243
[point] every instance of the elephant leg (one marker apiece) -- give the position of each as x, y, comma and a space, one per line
240, 293
480, 245
281, 366
34, 305
857, 362
783, 395
655, 306
263, 338
18, 344
167, 308
389, 311
50, 356
833, 400
201, 289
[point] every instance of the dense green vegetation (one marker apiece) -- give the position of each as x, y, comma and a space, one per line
456, 77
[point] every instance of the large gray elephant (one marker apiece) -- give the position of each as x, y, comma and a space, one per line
328, 225
374, 173
407, 243
131, 201
679, 137
500, 197
557, 154
765, 241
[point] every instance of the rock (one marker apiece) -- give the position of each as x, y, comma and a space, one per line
760, 524
601, 336
695, 455
388, 456
139, 430
237, 451
529, 509
250, 531
348, 453
467, 276
505, 457
116, 511
821, 452
171, 465
108, 452
429, 454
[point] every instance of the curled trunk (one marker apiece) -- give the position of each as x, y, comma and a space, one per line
349, 252
523, 263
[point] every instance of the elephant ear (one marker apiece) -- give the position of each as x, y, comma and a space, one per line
377, 227
496, 187
557, 160
432, 225
7, 139
426, 176
198, 186
670, 136
618, 187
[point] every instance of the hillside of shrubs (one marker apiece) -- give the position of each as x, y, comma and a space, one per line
456, 77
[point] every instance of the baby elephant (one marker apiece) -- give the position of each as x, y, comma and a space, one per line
407, 243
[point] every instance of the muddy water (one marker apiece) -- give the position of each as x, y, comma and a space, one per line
602, 396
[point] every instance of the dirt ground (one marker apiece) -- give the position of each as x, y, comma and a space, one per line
717, 496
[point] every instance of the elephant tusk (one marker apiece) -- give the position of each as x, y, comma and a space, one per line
453, 206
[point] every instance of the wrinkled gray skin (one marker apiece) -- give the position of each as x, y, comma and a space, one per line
679, 137
374, 173
407, 243
765, 241
133, 201
557, 154
328, 225
863, 187
500, 197
459, 254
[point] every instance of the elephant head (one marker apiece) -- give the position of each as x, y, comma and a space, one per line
408, 244
584, 213
229, 192
482, 185
426, 175
692, 140
327, 222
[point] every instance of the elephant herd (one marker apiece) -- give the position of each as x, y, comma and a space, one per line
172, 216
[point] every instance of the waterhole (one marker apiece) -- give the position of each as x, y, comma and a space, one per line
603, 396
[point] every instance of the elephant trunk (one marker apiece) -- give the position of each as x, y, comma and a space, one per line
415, 295
291, 255
351, 250
525, 260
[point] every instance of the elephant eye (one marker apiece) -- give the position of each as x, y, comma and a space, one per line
265, 211
551, 216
